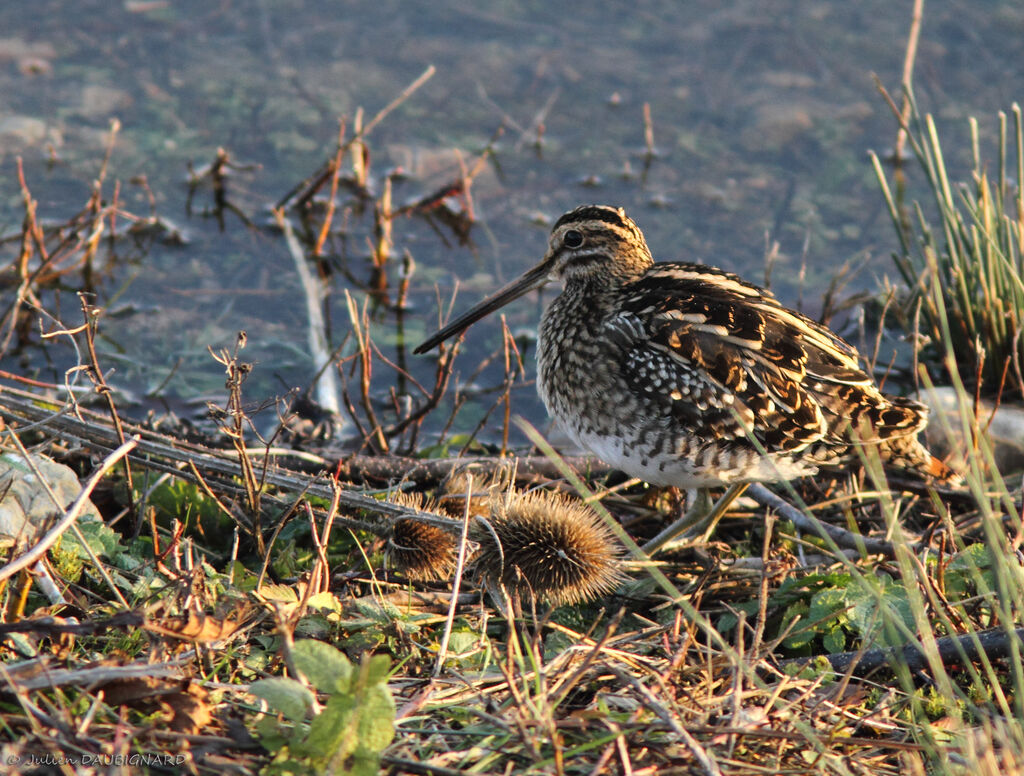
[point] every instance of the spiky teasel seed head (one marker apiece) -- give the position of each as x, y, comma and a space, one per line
482, 483
421, 551
552, 547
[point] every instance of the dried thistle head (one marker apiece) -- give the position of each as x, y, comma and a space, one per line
421, 551
485, 481
551, 546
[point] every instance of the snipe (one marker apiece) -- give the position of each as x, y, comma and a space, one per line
682, 374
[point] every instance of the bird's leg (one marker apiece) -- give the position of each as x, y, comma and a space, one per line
697, 502
697, 517
701, 531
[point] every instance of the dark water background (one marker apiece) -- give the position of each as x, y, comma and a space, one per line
762, 113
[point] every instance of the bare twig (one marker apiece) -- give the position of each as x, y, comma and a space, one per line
649, 150
407, 92
91, 315
908, 77
302, 192
460, 565
334, 167
324, 385
364, 359
536, 127
233, 420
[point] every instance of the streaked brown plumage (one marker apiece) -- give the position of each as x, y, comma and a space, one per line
682, 374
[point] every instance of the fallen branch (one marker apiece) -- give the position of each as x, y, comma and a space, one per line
84, 677
811, 524
952, 650
53, 626
160, 452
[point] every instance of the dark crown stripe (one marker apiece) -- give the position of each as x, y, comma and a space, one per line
592, 213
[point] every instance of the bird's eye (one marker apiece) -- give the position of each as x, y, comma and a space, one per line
572, 239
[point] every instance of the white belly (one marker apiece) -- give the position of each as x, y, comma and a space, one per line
681, 472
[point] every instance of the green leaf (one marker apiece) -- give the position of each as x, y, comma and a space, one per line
325, 600
325, 666
464, 646
375, 612
825, 603
875, 614
282, 594
801, 637
376, 719
287, 766
726, 623
834, 641
286, 696
970, 571
245, 580
21, 644
268, 730
362, 765
971, 557
332, 732
375, 670
185, 501
102, 539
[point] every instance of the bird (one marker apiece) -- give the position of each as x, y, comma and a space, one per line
681, 374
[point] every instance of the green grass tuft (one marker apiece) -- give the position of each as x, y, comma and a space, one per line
973, 246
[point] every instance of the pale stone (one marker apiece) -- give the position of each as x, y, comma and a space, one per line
1002, 426
26, 504
97, 101
776, 124
16, 49
19, 132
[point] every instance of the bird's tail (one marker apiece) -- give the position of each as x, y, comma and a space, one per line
909, 455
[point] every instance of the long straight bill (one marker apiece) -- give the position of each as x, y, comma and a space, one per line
527, 282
